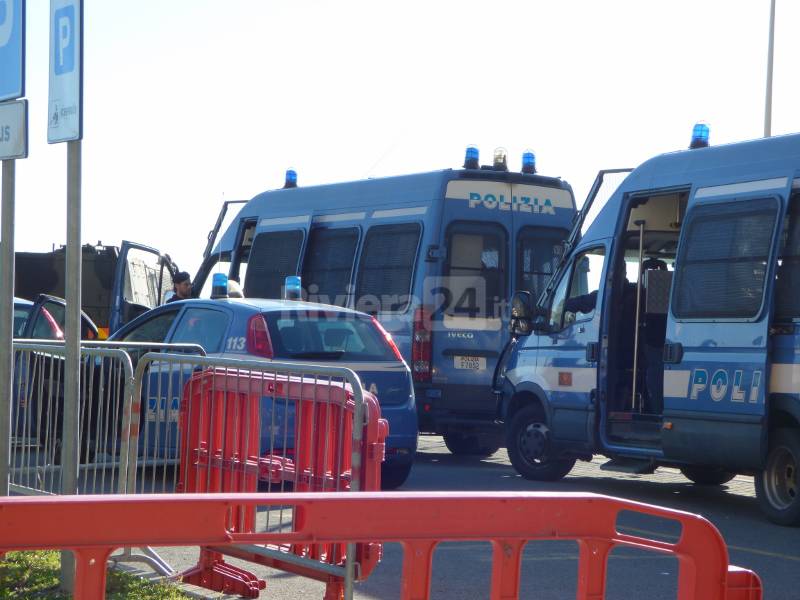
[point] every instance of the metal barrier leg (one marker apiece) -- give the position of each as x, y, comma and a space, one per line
213, 573
417, 559
506, 559
90, 572
149, 557
592, 566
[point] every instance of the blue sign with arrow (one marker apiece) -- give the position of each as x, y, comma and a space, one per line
12, 49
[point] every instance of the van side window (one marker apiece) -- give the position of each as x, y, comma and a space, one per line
787, 301
476, 268
722, 260
328, 264
538, 254
578, 300
274, 256
386, 267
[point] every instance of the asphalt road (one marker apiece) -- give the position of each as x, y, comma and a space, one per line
462, 570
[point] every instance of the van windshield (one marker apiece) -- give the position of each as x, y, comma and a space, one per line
326, 335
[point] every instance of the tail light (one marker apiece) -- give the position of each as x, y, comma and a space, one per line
258, 341
388, 337
421, 345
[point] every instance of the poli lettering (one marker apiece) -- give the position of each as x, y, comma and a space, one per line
721, 386
517, 204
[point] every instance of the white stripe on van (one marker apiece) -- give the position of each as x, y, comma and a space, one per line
784, 378
399, 212
300, 219
364, 367
473, 324
676, 384
356, 216
730, 189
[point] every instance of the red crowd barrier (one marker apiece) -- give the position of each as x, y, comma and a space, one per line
94, 526
222, 433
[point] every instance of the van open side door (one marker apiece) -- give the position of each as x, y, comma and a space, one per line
716, 355
141, 281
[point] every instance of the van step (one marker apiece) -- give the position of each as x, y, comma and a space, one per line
636, 466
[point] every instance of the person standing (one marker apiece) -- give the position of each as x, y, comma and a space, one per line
182, 286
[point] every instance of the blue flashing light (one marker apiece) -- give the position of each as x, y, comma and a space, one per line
528, 162
292, 288
291, 179
219, 285
700, 134
471, 158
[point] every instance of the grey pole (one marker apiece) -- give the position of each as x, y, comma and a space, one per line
72, 344
770, 53
6, 321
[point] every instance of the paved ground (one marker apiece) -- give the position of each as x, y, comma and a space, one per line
462, 570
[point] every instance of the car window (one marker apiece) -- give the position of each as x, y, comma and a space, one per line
46, 324
327, 336
153, 330
202, 326
21, 313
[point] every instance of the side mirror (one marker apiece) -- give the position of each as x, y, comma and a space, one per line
521, 314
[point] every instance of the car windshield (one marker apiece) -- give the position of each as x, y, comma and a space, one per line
326, 335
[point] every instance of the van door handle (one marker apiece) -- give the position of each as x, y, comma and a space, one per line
673, 353
592, 352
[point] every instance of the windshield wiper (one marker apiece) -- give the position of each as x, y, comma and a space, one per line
333, 354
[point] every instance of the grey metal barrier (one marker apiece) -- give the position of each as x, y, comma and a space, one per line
232, 425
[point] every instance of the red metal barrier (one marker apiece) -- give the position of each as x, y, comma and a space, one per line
93, 526
221, 428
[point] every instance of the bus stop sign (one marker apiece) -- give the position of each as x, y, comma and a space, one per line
12, 49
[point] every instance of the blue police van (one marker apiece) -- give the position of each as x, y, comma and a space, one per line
670, 334
434, 256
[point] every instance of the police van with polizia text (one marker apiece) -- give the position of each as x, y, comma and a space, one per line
670, 334
433, 256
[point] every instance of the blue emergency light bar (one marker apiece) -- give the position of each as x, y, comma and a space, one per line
291, 179
528, 162
219, 285
471, 158
700, 133
292, 288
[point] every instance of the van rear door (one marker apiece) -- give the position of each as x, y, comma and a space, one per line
716, 351
468, 332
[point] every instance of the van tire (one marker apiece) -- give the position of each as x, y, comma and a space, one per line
464, 444
778, 485
707, 475
393, 476
526, 437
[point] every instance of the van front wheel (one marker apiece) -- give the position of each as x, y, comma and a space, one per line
778, 485
707, 475
464, 444
528, 447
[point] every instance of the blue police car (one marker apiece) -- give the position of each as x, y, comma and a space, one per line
286, 331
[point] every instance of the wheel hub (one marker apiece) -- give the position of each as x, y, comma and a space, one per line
533, 441
782, 484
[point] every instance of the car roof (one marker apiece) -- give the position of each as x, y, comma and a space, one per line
22, 302
265, 305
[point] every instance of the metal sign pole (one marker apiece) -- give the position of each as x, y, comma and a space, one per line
72, 335
6, 321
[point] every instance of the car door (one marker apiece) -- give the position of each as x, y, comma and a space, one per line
568, 355
716, 353
196, 323
141, 281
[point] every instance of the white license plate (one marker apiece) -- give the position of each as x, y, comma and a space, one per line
473, 363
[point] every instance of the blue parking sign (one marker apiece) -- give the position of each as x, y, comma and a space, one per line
12, 49
65, 104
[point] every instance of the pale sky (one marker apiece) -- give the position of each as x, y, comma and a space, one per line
188, 103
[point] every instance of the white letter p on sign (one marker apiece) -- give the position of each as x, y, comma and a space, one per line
64, 36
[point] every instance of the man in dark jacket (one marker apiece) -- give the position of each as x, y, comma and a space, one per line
182, 285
